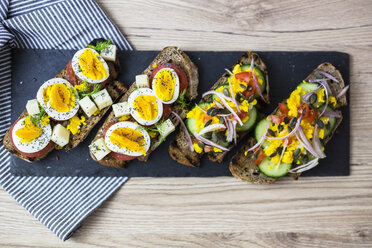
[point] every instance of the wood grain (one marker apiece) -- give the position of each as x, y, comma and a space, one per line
224, 212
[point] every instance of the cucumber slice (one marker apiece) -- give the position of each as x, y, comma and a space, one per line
250, 122
307, 87
328, 129
260, 76
191, 122
259, 131
219, 89
268, 168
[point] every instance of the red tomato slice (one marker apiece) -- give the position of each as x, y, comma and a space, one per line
181, 74
259, 158
242, 115
276, 119
73, 79
166, 111
283, 108
245, 76
310, 114
43, 151
248, 93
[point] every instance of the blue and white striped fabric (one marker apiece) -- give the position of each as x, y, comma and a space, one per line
60, 203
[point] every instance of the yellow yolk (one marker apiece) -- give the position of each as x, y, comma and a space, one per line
91, 66
164, 85
129, 139
29, 132
146, 107
75, 123
60, 97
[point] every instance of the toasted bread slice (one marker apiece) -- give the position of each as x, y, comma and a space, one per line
179, 149
115, 89
242, 166
172, 55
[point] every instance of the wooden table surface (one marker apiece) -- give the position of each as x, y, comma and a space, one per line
225, 212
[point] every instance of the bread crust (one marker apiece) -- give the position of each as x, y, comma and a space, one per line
179, 149
172, 55
242, 166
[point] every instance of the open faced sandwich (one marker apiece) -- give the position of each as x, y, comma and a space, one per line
292, 139
149, 111
226, 113
67, 107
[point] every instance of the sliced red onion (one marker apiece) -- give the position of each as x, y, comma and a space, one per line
306, 97
291, 133
232, 74
234, 130
322, 82
255, 80
329, 113
211, 128
342, 92
311, 164
329, 76
262, 139
281, 155
218, 104
326, 101
306, 143
316, 143
209, 142
229, 129
185, 130
200, 108
222, 96
233, 98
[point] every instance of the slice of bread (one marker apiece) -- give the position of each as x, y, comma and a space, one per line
242, 166
115, 89
179, 149
172, 55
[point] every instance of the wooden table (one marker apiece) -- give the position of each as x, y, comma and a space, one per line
211, 212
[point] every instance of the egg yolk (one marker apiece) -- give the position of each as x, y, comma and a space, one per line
146, 107
29, 132
60, 97
91, 66
129, 139
164, 85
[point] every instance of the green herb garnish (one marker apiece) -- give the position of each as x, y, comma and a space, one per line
83, 92
100, 45
37, 119
156, 129
182, 99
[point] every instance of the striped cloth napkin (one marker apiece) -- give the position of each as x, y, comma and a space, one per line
60, 203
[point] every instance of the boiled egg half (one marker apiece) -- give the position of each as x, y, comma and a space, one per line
89, 66
28, 137
166, 85
58, 98
145, 107
127, 138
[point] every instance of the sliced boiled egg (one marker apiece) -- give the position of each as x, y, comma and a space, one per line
127, 138
166, 85
145, 107
58, 98
89, 66
28, 137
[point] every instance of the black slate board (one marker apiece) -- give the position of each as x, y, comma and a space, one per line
286, 70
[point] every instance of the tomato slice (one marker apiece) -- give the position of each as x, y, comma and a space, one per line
310, 114
246, 76
117, 155
181, 74
73, 79
283, 108
242, 114
42, 152
276, 119
259, 158
166, 111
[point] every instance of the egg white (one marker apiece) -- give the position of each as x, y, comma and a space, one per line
133, 111
176, 86
54, 114
37, 144
126, 124
79, 73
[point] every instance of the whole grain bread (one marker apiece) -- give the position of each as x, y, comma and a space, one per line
243, 167
179, 149
115, 89
173, 55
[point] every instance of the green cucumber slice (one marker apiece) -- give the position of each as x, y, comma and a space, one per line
191, 122
259, 131
250, 122
268, 168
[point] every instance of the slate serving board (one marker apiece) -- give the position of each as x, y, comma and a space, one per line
30, 68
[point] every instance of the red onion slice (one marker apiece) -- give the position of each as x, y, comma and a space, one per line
200, 108
281, 155
329, 113
342, 92
322, 82
211, 128
234, 130
262, 139
231, 74
311, 164
229, 129
185, 130
316, 143
233, 97
329, 76
255, 80
209, 142
222, 98
306, 143
306, 97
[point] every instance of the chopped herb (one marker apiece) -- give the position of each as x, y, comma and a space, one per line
182, 99
82, 93
37, 119
100, 45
